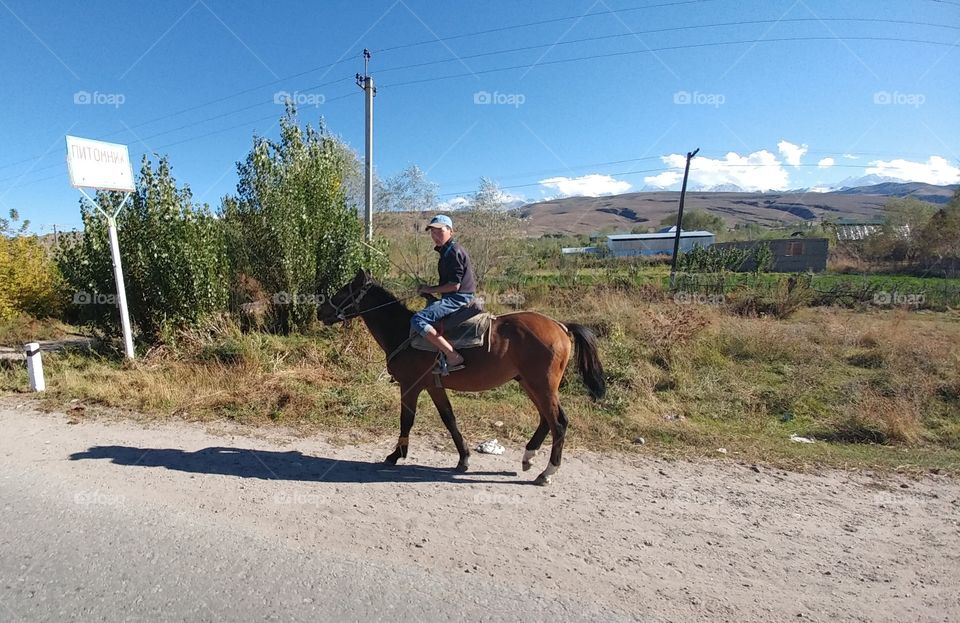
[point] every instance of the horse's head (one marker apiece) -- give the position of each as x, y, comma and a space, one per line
346, 302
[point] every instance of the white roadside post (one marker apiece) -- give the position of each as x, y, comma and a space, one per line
105, 166
34, 367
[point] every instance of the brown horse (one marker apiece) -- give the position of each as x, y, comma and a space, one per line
525, 346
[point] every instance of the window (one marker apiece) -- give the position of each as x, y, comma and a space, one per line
794, 249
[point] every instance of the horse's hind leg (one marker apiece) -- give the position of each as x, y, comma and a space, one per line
534, 444
548, 404
556, 451
445, 409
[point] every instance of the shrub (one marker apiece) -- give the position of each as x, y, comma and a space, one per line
173, 255
780, 300
29, 280
289, 226
665, 331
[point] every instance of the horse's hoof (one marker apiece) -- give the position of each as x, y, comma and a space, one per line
392, 459
526, 466
463, 466
542, 481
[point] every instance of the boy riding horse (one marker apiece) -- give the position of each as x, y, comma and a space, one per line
456, 287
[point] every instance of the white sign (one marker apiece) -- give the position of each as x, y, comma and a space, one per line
95, 164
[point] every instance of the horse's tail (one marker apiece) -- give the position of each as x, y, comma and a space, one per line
588, 360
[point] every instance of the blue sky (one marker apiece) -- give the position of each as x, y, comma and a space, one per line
606, 96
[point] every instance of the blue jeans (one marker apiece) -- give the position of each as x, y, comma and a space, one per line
438, 309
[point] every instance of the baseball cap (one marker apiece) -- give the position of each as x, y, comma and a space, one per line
440, 220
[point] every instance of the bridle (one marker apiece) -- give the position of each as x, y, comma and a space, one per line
352, 301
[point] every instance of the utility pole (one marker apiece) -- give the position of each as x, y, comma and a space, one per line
365, 82
676, 238
56, 236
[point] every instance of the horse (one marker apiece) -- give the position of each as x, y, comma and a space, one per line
525, 346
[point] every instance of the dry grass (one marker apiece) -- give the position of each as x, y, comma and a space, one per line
877, 388
16, 331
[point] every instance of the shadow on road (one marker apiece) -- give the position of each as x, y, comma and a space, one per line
247, 463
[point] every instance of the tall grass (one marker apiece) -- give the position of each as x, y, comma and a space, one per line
685, 377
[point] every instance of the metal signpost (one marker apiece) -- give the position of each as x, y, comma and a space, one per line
105, 166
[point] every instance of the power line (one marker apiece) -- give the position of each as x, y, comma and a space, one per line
695, 27
663, 49
186, 140
164, 146
331, 65
526, 48
534, 47
519, 49
211, 102
537, 23
513, 50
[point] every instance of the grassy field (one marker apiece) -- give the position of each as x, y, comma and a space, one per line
875, 387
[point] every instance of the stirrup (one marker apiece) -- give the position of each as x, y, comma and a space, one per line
443, 368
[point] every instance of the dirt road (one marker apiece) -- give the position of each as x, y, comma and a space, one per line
112, 520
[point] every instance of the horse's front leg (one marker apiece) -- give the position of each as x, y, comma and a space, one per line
445, 409
408, 411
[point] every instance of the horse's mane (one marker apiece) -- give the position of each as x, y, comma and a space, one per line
385, 297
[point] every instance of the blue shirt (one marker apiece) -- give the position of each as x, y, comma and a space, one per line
455, 266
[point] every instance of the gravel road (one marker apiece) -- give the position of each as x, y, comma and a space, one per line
116, 520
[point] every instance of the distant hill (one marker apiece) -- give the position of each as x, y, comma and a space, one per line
916, 190
581, 215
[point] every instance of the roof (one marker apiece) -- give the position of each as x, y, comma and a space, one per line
744, 243
877, 220
683, 234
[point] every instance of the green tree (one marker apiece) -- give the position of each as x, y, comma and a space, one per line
289, 227
900, 236
8, 227
173, 255
763, 258
412, 193
712, 260
29, 280
494, 231
408, 191
697, 220
940, 238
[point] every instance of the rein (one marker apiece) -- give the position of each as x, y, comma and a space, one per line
353, 301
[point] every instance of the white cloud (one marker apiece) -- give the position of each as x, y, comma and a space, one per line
508, 200
826, 163
663, 180
592, 185
755, 172
850, 157
456, 203
936, 170
792, 153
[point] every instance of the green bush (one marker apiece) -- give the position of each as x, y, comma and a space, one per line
780, 299
289, 227
29, 280
173, 256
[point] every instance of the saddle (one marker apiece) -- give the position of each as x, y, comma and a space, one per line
464, 328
